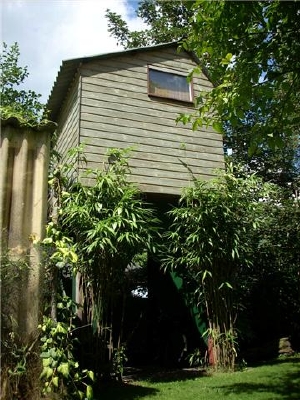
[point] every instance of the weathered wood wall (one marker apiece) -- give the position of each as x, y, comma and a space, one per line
116, 112
68, 122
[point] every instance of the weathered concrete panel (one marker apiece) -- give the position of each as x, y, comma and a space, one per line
24, 156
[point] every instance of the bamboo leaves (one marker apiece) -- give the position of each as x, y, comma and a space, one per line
208, 243
110, 224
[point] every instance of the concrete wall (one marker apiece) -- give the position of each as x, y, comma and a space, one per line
24, 157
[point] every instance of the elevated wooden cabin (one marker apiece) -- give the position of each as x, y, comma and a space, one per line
132, 98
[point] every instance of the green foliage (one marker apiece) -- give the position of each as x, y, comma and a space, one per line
278, 165
60, 254
11, 270
61, 372
19, 355
110, 224
208, 243
16, 102
270, 289
61, 248
119, 360
196, 359
251, 53
166, 21
109, 218
99, 230
17, 358
208, 218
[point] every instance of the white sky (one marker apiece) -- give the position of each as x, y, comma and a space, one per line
49, 31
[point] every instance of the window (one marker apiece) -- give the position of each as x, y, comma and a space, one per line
169, 85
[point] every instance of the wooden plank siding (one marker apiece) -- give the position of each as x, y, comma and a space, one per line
68, 121
116, 112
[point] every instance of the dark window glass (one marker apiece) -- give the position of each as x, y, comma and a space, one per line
168, 85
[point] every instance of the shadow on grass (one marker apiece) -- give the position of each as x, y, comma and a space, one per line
125, 391
131, 390
283, 391
283, 385
279, 360
275, 382
156, 375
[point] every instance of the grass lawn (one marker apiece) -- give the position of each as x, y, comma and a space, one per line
278, 379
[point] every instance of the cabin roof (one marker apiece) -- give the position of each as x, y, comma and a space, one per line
69, 68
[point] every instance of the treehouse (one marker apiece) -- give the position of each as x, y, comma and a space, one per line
131, 99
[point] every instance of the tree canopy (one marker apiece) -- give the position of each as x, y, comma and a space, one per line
251, 52
24, 104
166, 21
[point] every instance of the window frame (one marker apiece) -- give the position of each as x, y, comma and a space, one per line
174, 73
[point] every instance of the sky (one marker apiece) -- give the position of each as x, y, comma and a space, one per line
49, 31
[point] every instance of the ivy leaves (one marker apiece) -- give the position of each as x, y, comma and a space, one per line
61, 373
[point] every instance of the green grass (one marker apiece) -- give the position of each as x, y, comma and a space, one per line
279, 379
